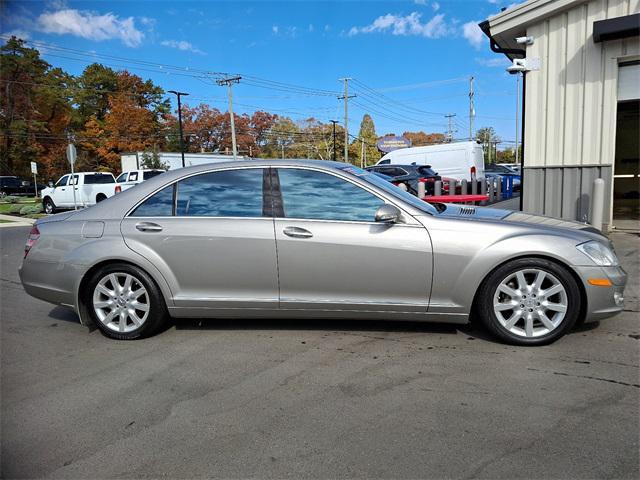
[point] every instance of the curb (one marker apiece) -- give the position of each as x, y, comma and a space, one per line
16, 221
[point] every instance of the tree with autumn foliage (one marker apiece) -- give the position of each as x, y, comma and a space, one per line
422, 139
133, 122
35, 110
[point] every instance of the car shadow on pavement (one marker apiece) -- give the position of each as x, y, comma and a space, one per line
65, 314
319, 325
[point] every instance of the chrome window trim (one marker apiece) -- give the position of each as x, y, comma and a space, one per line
387, 199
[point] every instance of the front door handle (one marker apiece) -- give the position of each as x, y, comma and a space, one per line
148, 227
297, 232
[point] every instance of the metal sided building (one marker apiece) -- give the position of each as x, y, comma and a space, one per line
581, 102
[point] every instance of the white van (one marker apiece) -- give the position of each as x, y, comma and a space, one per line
459, 160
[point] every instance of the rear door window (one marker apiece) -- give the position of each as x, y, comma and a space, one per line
133, 176
227, 193
160, 204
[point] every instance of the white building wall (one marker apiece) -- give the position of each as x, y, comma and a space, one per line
571, 101
570, 111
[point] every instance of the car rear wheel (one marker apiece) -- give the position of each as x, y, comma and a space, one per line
100, 198
529, 302
125, 303
48, 206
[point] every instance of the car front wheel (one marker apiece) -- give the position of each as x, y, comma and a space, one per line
125, 303
529, 302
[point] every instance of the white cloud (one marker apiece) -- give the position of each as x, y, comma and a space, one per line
494, 2
90, 26
420, 2
311, 27
181, 45
18, 33
275, 29
499, 61
435, 6
471, 31
411, 24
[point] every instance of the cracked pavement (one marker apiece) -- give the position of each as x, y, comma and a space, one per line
320, 399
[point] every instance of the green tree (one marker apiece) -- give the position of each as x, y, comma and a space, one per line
489, 139
366, 137
151, 160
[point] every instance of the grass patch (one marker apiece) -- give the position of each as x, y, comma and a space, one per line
6, 208
6, 221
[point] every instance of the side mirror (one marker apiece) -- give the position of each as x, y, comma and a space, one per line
388, 214
50, 184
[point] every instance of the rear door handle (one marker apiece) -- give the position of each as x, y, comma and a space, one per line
297, 232
148, 227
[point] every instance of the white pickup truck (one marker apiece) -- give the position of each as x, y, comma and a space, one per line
90, 188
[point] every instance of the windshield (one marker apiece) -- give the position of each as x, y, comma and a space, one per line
390, 188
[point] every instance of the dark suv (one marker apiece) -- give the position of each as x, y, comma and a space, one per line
17, 186
409, 175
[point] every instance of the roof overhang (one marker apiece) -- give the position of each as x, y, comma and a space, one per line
512, 22
616, 28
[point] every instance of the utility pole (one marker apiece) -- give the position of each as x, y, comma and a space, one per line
517, 115
472, 109
346, 98
180, 94
229, 81
450, 118
334, 138
361, 153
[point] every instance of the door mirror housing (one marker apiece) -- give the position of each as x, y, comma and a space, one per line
50, 184
388, 213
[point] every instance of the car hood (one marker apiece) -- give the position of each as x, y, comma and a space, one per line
510, 216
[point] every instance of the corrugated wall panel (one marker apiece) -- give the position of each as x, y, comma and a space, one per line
533, 197
592, 117
554, 68
553, 193
575, 72
567, 191
536, 98
570, 193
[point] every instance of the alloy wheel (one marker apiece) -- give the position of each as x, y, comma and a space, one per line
121, 302
530, 303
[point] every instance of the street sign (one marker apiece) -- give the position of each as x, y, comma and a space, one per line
34, 168
71, 154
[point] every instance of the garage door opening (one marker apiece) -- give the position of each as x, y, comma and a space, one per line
626, 173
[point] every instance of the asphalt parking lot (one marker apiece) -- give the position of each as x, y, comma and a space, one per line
300, 399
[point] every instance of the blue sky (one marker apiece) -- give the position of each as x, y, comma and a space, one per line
416, 55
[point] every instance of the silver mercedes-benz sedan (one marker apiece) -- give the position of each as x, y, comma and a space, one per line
310, 239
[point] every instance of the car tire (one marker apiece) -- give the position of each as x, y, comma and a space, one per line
48, 206
100, 198
132, 309
529, 301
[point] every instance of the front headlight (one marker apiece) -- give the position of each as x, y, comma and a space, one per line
600, 254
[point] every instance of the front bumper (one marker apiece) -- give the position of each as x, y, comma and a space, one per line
603, 302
